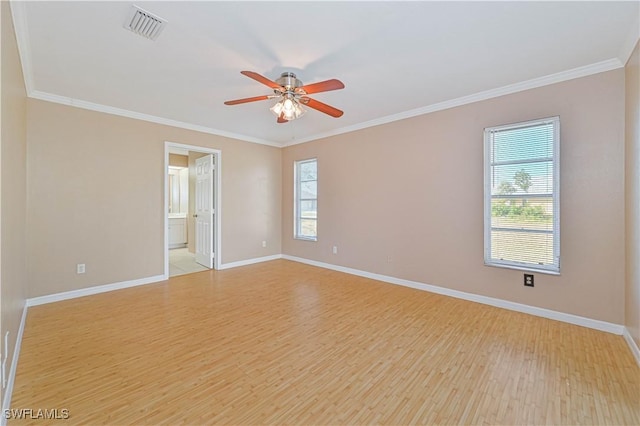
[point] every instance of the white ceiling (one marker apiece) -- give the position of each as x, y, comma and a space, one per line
396, 59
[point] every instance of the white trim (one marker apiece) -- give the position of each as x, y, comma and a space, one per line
632, 345
19, 15
630, 42
20, 24
78, 103
57, 297
165, 212
516, 267
598, 67
250, 261
499, 303
177, 246
8, 391
217, 202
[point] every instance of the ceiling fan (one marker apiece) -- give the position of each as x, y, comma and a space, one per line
292, 95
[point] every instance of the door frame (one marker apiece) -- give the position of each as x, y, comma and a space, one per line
217, 200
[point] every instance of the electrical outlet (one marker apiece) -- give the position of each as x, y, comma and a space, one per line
264, 244
528, 280
80, 268
335, 249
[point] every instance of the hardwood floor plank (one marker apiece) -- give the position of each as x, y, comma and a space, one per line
287, 343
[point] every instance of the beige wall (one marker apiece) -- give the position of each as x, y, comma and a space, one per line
77, 215
405, 199
632, 168
13, 201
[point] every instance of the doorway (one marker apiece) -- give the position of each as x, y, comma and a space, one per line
199, 245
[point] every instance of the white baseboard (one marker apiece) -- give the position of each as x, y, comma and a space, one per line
505, 304
56, 297
8, 391
250, 261
632, 345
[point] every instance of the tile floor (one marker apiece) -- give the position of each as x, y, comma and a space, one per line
182, 262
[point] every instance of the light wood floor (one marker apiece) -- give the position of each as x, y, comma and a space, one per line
286, 343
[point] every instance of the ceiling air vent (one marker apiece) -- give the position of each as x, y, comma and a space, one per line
144, 23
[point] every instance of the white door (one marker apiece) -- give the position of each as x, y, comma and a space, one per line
204, 210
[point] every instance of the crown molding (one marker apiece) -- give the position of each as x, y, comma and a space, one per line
598, 67
18, 10
78, 103
584, 71
19, 15
630, 42
20, 24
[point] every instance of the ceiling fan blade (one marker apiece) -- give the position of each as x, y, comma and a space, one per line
245, 100
281, 119
323, 86
264, 80
327, 109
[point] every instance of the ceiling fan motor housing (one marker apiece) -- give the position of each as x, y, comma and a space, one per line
289, 81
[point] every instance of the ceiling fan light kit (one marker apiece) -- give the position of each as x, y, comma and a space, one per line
289, 108
291, 95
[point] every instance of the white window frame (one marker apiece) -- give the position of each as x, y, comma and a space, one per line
297, 223
488, 260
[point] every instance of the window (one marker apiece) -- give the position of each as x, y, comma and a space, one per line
521, 180
306, 200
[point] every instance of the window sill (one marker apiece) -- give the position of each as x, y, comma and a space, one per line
306, 239
522, 268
